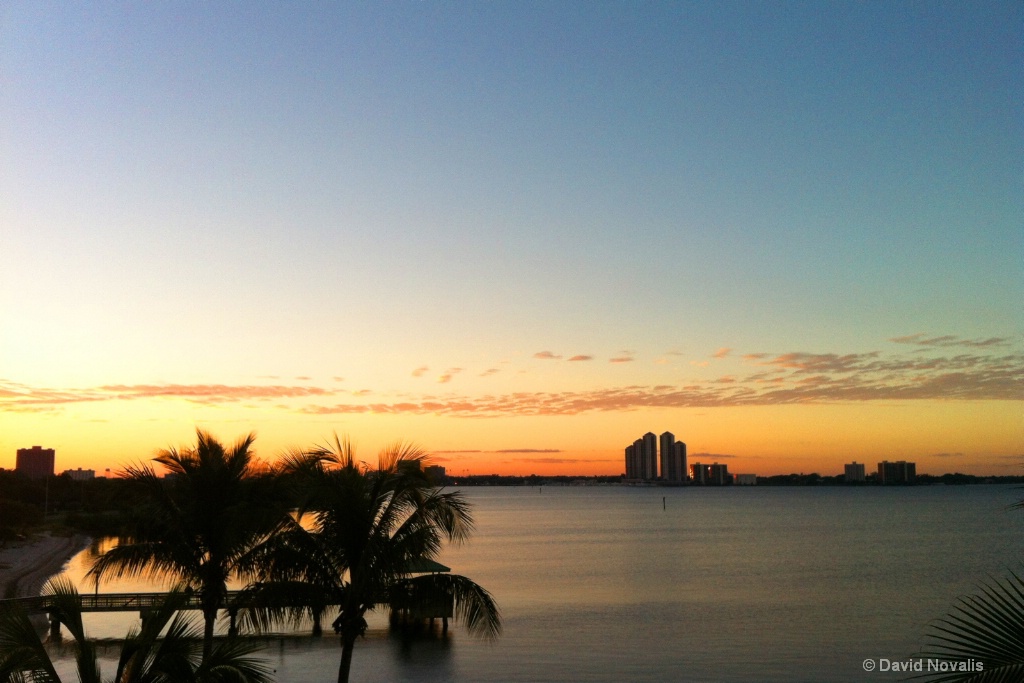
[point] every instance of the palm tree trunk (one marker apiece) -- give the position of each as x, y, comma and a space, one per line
209, 618
348, 643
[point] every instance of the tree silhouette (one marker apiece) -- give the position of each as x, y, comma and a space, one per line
197, 525
358, 537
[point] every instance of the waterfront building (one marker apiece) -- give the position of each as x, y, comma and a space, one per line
436, 474
673, 458
679, 460
700, 474
854, 472
667, 445
899, 472
36, 462
650, 456
80, 474
745, 479
720, 475
646, 461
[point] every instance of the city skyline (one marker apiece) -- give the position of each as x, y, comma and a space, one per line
515, 234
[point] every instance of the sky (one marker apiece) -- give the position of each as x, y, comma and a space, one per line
517, 234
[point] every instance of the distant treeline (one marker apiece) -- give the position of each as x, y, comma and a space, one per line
96, 506
812, 479
815, 479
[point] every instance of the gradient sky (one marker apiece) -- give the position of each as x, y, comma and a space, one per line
518, 234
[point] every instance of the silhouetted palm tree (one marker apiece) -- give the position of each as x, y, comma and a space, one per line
22, 654
146, 655
367, 528
985, 628
197, 525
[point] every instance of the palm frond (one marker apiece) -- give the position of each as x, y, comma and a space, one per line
21, 651
986, 627
145, 655
66, 606
471, 603
231, 662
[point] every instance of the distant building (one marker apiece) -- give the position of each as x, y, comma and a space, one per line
650, 456
700, 474
673, 458
720, 475
631, 462
854, 472
436, 473
80, 474
745, 479
667, 446
36, 462
679, 459
900, 472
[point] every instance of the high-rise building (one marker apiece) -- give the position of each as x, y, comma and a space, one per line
80, 474
720, 475
645, 461
854, 472
700, 474
36, 462
673, 458
680, 461
900, 472
667, 444
650, 456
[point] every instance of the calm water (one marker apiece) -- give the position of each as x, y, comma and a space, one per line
739, 584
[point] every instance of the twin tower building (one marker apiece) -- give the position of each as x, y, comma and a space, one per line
642, 459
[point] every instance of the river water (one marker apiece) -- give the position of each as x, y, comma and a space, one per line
608, 584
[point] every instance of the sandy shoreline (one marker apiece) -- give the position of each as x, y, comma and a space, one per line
25, 566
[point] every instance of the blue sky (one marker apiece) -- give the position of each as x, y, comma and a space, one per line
228, 193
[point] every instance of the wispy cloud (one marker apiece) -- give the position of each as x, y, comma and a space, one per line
503, 450
559, 461
489, 371
946, 455
796, 378
694, 457
581, 357
722, 352
448, 375
528, 450
420, 371
20, 397
621, 359
546, 355
920, 339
